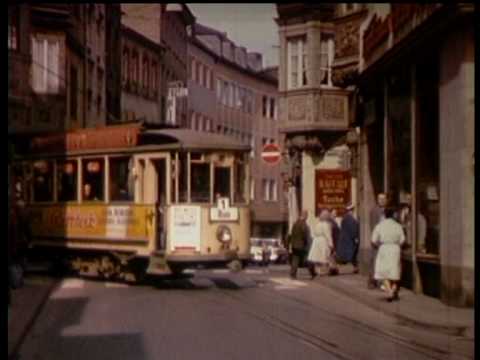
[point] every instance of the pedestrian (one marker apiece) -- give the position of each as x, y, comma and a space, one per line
377, 214
265, 253
334, 223
389, 236
322, 249
299, 243
347, 249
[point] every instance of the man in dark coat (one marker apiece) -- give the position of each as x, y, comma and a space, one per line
299, 243
349, 239
377, 214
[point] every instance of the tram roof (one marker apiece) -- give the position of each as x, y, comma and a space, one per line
189, 139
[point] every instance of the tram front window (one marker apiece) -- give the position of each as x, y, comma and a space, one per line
121, 187
200, 182
222, 182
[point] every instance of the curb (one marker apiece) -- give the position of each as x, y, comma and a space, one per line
459, 331
13, 354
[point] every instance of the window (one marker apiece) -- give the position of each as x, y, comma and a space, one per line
272, 108
67, 180
192, 69
42, 181
74, 94
273, 190
297, 62
121, 179
145, 70
192, 121
134, 68
231, 95
219, 90
264, 106
93, 171
200, 182
240, 177
252, 145
154, 78
222, 182
327, 52
208, 125
206, 77
199, 74
45, 70
125, 68
252, 189
13, 27
183, 177
265, 188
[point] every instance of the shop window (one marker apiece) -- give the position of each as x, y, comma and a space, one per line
67, 176
42, 181
200, 182
399, 164
297, 62
93, 173
121, 179
222, 182
427, 157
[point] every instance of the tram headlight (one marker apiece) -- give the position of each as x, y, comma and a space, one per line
224, 234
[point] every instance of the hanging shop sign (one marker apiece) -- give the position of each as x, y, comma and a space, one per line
332, 190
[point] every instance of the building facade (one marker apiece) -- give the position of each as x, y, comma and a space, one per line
231, 94
319, 61
167, 26
141, 61
416, 110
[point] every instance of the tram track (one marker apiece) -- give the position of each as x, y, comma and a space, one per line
319, 342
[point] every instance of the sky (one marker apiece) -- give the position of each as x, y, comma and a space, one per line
249, 25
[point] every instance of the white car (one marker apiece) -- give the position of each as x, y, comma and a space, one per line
274, 250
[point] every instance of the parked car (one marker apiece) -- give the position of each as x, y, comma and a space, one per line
268, 250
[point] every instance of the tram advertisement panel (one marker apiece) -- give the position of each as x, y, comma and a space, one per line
185, 227
332, 190
93, 221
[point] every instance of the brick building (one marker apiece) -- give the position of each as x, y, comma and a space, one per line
166, 25
416, 97
231, 94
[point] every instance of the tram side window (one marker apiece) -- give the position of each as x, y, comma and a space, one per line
93, 176
43, 181
183, 177
121, 180
239, 182
200, 182
222, 182
67, 180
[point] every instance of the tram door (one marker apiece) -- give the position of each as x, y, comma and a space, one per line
160, 200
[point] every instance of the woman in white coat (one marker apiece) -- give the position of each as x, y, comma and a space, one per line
388, 236
321, 248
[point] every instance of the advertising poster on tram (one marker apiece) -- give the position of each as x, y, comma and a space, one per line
332, 190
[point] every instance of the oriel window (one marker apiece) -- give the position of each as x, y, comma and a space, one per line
327, 52
297, 62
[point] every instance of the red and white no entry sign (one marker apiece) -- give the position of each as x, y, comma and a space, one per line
271, 154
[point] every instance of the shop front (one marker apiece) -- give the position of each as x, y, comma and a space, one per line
417, 132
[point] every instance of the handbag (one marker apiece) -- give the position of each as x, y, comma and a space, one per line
15, 276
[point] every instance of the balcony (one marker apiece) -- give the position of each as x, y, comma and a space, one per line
314, 110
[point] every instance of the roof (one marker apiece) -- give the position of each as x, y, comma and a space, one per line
190, 139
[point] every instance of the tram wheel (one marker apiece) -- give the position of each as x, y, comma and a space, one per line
108, 269
235, 266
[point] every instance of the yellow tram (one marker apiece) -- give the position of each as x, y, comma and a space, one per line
123, 201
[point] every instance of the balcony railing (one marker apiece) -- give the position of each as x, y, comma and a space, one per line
314, 109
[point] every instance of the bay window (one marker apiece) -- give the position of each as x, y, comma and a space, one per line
297, 62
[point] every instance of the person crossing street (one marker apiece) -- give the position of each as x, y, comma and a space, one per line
299, 244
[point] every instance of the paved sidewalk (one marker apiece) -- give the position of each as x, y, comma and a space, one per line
414, 309
27, 303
